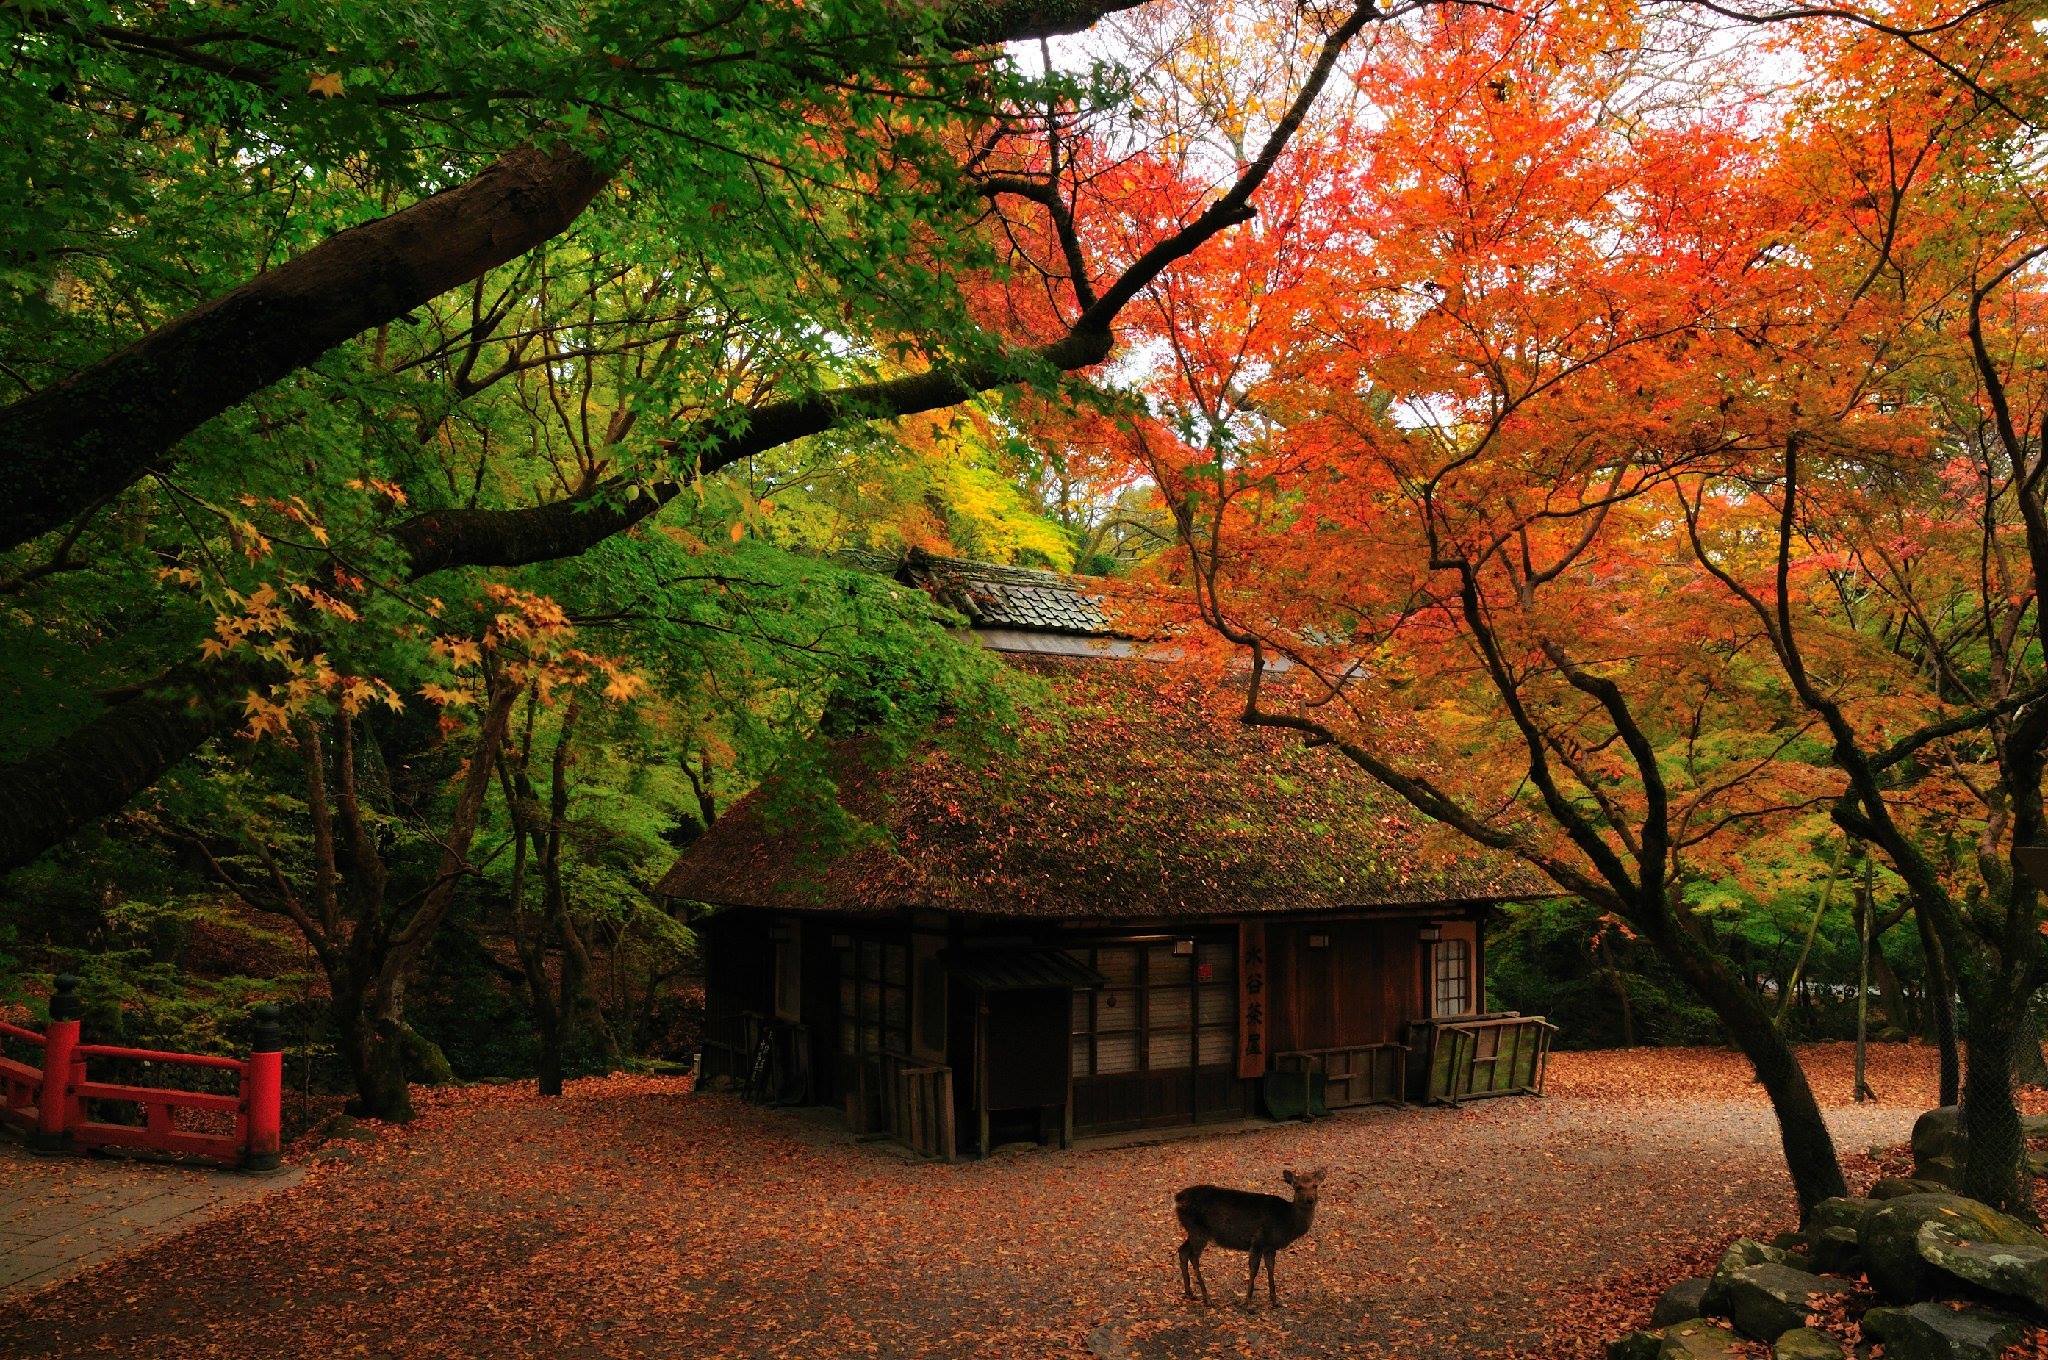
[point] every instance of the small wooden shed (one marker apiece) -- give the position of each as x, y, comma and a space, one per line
1149, 915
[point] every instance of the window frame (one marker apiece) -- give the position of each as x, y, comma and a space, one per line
1450, 964
1086, 1031
870, 996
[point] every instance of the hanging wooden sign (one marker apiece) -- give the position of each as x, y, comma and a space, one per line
1251, 999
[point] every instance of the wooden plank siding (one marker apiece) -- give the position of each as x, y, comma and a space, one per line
1363, 988
898, 1042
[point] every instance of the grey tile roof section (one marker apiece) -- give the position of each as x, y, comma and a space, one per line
1014, 597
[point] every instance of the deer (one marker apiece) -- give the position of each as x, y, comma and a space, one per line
1242, 1220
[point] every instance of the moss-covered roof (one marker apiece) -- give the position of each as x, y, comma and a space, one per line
1134, 793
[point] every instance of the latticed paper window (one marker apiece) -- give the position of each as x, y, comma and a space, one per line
1453, 970
1166, 1007
874, 1012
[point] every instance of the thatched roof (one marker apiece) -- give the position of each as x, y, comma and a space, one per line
1135, 794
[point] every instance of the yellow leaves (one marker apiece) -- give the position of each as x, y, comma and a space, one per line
266, 718
357, 692
179, 576
620, 684
739, 531
325, 84
325, 603
388, 491
460, 653
523, 617
446, 696
248, 540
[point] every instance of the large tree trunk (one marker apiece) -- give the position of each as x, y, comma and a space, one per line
1809, 1147
1619, 982
1995, 1170
1941, 1008
371, 1038
552, 1041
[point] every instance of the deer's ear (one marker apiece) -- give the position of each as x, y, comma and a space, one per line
1287, 1176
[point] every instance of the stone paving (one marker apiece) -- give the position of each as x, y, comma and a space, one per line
62, 1215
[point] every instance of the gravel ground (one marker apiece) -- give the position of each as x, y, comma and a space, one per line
634, 1219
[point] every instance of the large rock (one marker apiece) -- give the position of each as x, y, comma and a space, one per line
1767, 1300
1835, 1231
1839, 1212
1636, 1346
2015, 1276
1805, 1343
1939, 1133
1892, 1247
1892, 1187
1741, 1253
1934, 1331
1682, 1302
1699, 1340
1693, 1340
1941, 1146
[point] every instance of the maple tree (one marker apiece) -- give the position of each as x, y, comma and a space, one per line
258, 488
786, 157
1431, 462
1895, 507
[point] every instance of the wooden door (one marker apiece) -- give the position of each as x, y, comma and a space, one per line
1158, 1045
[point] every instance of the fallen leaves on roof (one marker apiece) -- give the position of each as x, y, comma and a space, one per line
1134, 792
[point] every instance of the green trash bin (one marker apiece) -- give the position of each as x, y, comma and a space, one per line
1293, 1095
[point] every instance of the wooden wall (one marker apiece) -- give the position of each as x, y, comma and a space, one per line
739, 961
1361, 989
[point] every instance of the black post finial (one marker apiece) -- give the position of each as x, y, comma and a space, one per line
267, 1036
65, 1003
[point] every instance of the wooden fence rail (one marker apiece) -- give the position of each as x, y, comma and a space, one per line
1491, 1055
21, 1083
1361, 1074
54, 1101
917, 1103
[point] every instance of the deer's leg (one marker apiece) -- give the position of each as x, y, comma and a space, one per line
1272, 1290
1251, 1285
1191, 1255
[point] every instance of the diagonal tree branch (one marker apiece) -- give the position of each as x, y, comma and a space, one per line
95, 432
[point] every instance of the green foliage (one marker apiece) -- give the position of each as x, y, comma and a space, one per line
1542, 959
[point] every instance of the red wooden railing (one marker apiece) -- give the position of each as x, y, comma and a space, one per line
49, 1101
20, 1083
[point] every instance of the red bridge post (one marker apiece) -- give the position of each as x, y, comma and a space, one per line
264, 1078
54, 1103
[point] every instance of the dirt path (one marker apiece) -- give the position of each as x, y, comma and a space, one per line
631, 1219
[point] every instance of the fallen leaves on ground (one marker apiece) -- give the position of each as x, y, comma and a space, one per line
634, 1218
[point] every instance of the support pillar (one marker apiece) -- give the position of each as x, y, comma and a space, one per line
265, 1078
54, 1103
